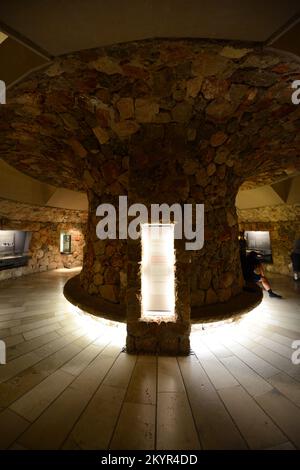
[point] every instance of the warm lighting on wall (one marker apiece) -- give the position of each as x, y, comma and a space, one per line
158, 271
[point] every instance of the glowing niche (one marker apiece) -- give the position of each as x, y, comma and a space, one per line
158, 271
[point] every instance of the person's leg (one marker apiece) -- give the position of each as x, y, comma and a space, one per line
267, 286
265, 283
258, 278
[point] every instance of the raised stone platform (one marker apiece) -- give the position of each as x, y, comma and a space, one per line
97, 306
232, 309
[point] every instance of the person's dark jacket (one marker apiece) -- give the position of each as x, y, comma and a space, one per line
251, 263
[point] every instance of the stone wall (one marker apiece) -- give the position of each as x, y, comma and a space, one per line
283, 223
45, 224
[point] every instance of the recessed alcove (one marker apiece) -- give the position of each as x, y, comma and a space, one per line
14, 248
158, 272
260, 242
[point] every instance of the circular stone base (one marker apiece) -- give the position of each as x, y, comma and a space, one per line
236, 307
95, 305
233, 309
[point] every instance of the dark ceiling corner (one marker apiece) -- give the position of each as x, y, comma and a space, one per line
16, 60
287, 37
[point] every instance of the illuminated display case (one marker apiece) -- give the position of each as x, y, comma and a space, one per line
65, 243
158, 271
14, 248
259, 241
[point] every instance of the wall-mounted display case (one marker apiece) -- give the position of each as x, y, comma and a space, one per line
65, 243
260, 242
14, 248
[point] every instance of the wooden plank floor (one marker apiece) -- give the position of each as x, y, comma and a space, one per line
68, 384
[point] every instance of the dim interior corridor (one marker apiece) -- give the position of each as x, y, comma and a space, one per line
69, 384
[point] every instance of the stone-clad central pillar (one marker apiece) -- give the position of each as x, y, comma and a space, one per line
156, 177
162, 170
162, 121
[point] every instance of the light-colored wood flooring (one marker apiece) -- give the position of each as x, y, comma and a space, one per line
68, 384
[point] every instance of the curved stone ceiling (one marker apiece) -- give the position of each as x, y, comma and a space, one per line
233, 104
